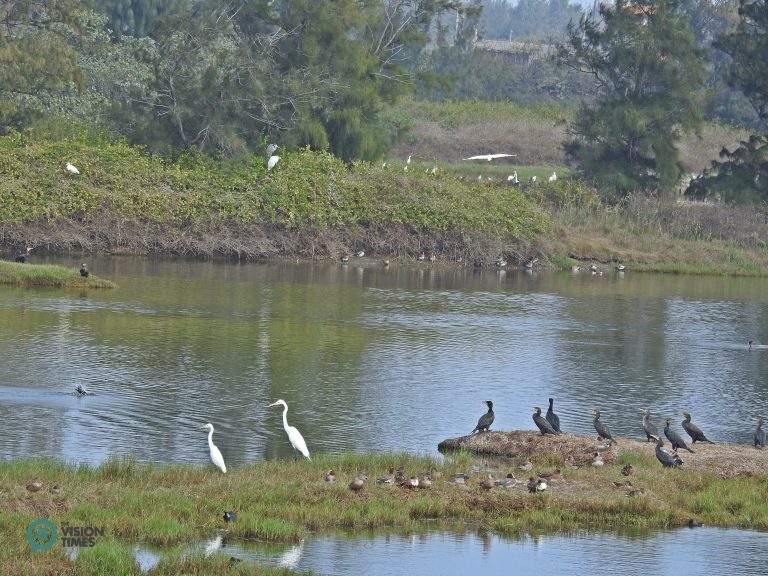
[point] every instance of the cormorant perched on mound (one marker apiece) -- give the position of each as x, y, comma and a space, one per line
693, 431
553, 418
667, 459
759, 432
84, 271
674, 437
601, 428
484, 424
541, 422
22, 256
648, 426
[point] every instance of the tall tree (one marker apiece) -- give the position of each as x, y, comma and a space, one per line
742, 175
643, 60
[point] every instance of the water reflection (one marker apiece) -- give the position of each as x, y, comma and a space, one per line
368, 358
702, 551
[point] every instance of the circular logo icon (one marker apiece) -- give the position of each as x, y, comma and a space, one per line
41, 534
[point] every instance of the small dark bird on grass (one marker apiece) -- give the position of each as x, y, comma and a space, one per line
84, 271
485, 421
22, 256
628, 470
230, 517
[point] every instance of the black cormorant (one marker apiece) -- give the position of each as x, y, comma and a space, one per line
84, 271
484, 424
648, 426
674, 438
230, 517
544, 426
759, 432
693, 431
601, 428
553, 418
667, 459
22, 256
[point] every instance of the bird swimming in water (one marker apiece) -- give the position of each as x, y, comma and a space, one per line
674, 438
601, 427
357, 484
21, 257
80, 390
759, 432
648, 425
230, 517
485, 421
360, 253
667, 459
345, 259
553, 418
693, 431
215, 453
84, 271
295, 437
541, 422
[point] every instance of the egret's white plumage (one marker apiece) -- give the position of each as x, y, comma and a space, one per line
272, 161
553, 177
71, 169
297, 440
216, 456
489, 157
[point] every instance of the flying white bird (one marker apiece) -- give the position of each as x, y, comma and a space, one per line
489, 157
71, 169
272, 161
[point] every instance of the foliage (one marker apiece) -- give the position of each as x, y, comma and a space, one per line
643, 60
742, 175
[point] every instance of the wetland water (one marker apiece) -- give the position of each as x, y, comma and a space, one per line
383, 359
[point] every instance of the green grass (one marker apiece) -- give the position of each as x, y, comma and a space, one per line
46, 275
284, 501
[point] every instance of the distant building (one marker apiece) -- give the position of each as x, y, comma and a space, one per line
519, 53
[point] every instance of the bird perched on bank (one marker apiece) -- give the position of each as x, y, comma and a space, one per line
597, 460
601, 427
541, 422
759, 432
459, 478
500, 262
507, 482
553, 418
21, 257
216, 457
272, 161
628, 470
602, 444
412, 482
648, 426
35, 485
621, 268
485, 421
230, 517
668, 459
488, 483
693, 431
512, 178
84, 271
357, 484
674, 438
528, 264
345, 259
532, 180
425, 482
526, 466
71, 169
551, 475
330, 477
489, 157
295, 437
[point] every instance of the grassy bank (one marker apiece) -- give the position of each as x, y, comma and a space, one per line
286, 500
45, 275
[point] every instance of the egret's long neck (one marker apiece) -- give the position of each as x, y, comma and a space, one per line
285, 417
210, 438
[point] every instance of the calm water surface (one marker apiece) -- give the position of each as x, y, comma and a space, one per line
368, 358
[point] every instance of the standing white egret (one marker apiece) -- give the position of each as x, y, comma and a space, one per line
272, 161
553, 177
71, 169
216, 456
297, 440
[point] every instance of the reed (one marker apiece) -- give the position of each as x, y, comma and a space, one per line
46, 275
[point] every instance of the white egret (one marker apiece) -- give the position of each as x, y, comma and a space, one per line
532, 180
489, 157
297, 440
512, 178
271, 149
272, 161
216, 456
408, 162
71, 169
553, 177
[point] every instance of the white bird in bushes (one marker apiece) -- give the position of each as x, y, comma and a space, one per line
272, 161
71, 169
